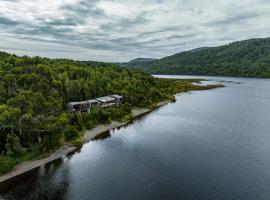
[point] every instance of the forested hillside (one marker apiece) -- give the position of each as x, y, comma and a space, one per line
34, 92
249, 58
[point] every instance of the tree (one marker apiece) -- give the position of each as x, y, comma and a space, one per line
13, 145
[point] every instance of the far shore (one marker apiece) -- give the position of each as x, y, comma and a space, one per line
66, 150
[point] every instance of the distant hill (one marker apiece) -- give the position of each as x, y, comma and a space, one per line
142, 60
248, 58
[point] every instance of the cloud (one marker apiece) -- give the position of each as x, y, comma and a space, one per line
119, 30
6, 21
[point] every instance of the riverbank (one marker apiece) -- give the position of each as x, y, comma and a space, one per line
29, 166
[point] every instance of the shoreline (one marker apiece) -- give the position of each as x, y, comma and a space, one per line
66, 150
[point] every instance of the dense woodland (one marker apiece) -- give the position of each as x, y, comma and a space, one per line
34, 92
249, 58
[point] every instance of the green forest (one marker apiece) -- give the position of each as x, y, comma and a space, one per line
249, 58
34, 92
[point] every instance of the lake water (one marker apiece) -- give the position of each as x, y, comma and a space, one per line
209, 145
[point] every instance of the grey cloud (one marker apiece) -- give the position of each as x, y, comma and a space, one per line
83, 8
128, 28
167, 28
234, 19
7, 21
122, 25
181, 36
64, 22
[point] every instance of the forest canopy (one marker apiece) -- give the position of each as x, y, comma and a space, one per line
34, 92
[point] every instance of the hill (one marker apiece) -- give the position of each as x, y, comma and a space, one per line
248, 58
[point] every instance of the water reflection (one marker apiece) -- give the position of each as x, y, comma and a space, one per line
226, 81
47, 182
102, 136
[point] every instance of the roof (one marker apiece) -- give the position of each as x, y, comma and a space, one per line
77, 103
101, 99
92, 101
105, 99
117, 96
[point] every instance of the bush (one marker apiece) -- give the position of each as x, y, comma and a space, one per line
90, 125
71, 133
13, 145
76, 120
127, 118
6, 164
77, 143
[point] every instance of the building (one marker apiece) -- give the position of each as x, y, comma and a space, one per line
102, 102
82, 106
107, 101
118, 99
93, 104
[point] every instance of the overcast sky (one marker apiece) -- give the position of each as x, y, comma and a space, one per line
120, 30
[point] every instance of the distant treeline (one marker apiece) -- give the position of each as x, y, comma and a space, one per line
249, 58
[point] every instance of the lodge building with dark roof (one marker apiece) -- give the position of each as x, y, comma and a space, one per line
101, 102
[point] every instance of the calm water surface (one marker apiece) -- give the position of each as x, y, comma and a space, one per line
209, 145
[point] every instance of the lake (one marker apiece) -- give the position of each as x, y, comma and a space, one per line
209, 145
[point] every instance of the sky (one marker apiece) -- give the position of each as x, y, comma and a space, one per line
121, 30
